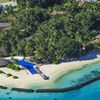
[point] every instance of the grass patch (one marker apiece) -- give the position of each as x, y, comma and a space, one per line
13, 67
9, 75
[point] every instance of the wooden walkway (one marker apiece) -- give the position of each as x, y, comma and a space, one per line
41, 73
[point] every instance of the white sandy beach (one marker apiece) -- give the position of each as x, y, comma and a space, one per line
26, 80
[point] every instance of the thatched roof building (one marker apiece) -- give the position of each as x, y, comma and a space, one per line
4, 24
9, 3
4, 62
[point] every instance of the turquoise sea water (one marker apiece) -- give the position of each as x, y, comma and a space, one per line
89, 92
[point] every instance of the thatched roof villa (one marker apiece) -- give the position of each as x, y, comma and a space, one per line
4, 62
9, 3
4, 25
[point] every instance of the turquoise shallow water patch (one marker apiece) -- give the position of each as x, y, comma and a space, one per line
89, 92
73, 77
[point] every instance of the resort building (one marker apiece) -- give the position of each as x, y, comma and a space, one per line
3, 5
4, 62
57, 12
4, 25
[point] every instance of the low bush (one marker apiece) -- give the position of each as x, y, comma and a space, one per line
9, 75
1, 72
15, 77
17, 68
11, 66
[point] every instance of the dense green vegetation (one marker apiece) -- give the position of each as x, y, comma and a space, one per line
50, 37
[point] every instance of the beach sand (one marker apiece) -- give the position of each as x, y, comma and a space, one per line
27, 80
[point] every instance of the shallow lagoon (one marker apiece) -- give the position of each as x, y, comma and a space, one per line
89, 92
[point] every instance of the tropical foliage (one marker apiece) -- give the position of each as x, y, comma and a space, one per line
48, 37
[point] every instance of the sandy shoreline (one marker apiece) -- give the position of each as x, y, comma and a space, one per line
26, 80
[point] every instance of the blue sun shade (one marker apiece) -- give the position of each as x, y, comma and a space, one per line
28, 65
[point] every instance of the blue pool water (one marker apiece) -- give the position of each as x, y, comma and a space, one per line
89, 92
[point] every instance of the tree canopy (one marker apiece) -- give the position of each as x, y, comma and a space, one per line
48, 37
